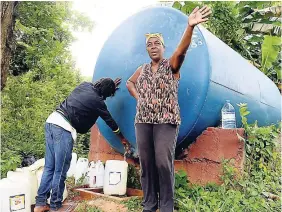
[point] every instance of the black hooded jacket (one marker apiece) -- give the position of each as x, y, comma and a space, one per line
86, 103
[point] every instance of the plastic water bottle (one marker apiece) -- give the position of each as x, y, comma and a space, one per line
228, 116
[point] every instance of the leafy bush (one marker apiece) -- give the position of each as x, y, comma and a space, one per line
133, 179
258, 188
42, 75
84, 207
81, 146
133, 204
251, 28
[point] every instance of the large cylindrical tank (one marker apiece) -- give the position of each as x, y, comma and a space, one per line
211, 73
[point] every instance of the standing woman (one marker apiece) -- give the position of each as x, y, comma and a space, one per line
155, 87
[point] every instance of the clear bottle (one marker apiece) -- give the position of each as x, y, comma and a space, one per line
228, 117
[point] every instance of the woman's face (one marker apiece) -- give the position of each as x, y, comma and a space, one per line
155, 49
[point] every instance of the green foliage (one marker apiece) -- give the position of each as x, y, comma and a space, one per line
9, 161
254, 4
43, 75
83, 180
177, 5
270, 48
223, 21
43, 35
251, 28
81, 146
261, 18
188, 7
262, 24
133, 179
133, 204
25, 107
70, 184
84, 207
225, 25
262, 149
256, 189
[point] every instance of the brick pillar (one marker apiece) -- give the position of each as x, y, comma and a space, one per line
101, 150
203, 164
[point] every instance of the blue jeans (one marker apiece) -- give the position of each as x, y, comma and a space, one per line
59, 144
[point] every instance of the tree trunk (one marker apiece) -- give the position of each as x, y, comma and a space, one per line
7, 29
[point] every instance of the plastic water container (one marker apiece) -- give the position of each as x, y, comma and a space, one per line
228, 116
14, 196
71, 171
92, 174
100, 173
24, 175
39, 174
96, 174
115, 177
81, 169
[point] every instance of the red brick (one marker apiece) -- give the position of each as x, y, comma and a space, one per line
203, 172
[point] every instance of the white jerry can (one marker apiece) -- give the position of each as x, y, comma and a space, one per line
96, 174
39, 174
81, 170
14, 196
71, 171
92, 174
100, 174
25, 175
115, 179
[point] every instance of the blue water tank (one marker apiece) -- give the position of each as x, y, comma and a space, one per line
211, 73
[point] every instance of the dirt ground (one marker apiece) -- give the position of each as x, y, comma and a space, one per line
107, 205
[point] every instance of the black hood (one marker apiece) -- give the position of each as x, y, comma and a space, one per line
105, 86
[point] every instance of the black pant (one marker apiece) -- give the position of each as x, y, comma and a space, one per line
156, 147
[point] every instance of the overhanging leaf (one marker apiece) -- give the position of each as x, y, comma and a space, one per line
177, 5
270, 50
191, 5
185, 9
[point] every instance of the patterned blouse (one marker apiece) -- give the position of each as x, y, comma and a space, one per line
158, 95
